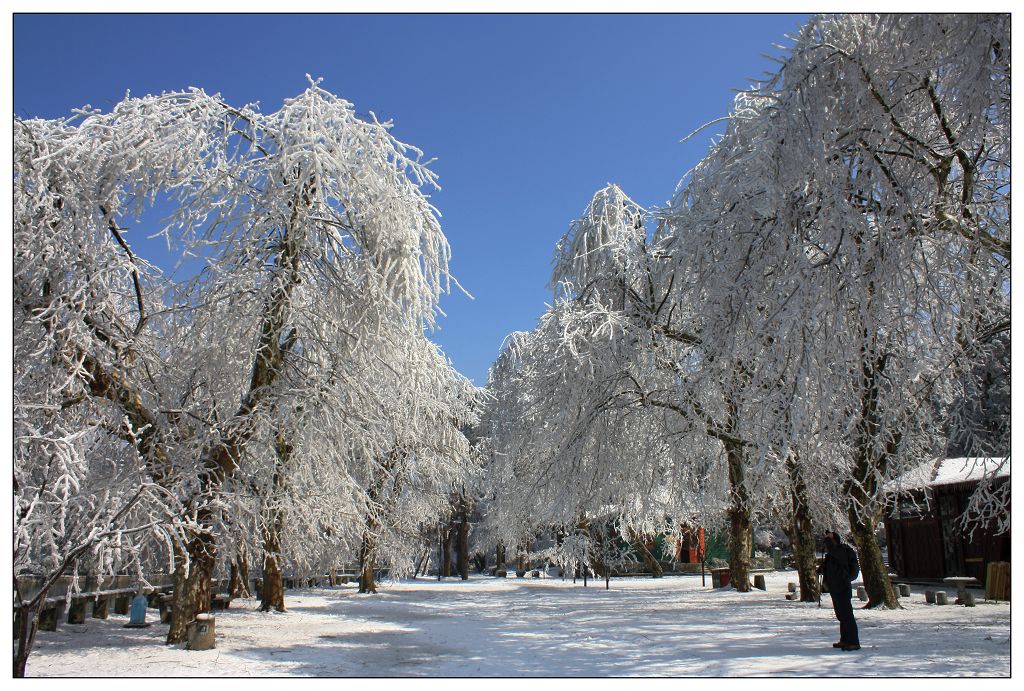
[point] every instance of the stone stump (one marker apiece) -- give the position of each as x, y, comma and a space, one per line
791, 587
929, 597
76, 612
968, 600
759, 581
862, 593
122, 603
50, 615
941, 598
101, 608
201, 633
904, 590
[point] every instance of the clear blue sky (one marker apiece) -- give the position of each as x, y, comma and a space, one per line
528, 115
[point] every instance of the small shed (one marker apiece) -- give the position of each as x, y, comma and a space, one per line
922, 527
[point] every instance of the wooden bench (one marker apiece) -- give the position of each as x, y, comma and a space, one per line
100, 593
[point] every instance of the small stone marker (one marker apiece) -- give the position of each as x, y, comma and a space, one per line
791, 587
929, 597
791, 596
862, 593
777, 558
941, 598
201, 634
138, 615
904, 589
759, 582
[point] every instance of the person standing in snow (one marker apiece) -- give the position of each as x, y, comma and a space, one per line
839, 568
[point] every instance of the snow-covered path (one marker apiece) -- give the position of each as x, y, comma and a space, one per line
547, 627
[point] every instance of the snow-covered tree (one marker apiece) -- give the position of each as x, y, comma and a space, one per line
861, 200
578, 427
314, 238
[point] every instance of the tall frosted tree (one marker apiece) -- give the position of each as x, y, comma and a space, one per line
297, 216
862, 197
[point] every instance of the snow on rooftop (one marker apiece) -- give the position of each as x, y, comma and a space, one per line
948, 471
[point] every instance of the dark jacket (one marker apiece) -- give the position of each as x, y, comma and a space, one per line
836, 567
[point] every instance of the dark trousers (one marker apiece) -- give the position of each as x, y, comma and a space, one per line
842, 595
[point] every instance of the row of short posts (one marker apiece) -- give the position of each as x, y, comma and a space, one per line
898, 589
939, 597
901, 590
201, 633
78, 611
99, 607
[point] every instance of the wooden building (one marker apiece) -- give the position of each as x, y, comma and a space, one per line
922, 529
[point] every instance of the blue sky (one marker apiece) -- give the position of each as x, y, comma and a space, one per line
527, 115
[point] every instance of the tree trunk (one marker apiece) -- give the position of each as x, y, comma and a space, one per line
272, 593
367, 585
652, 564
741, 531
862, 490
462, 544
499, 555
240, 576
28, 623
191, 585
801, 532
741, 541
521, 561
872, 569
422, 563
446, 552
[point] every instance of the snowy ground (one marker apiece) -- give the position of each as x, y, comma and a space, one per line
547, 627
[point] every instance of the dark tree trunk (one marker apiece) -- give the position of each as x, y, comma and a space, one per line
367, 584
499, 555
446, 552
440, 552
870, 463
801, 532
872, 569
462, 544
192, 585
240, 576
27, 623
652, 564
522, 563
272, 592
741, 532
421, 563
